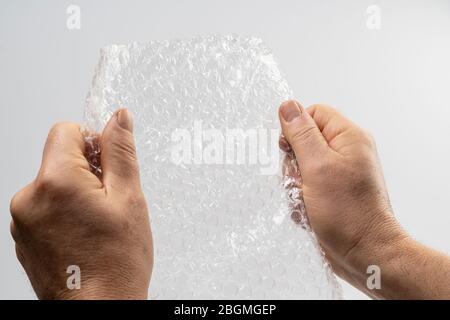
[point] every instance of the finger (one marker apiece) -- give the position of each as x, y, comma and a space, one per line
302, 133
119, 161
330, 122
284, 144
333, 124
64, 149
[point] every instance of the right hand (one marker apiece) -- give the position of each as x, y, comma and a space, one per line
343, 188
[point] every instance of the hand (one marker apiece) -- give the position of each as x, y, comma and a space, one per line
348, 205
69, 216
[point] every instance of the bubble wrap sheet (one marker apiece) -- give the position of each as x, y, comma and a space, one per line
226, 223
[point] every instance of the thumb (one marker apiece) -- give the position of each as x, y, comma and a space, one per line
302, 133
118, 158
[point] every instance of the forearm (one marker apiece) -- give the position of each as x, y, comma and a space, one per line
408, 270
418, 273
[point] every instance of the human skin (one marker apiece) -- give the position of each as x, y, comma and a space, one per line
349, 210
69, 216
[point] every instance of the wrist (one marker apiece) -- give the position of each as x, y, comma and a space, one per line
97, 289
386, 247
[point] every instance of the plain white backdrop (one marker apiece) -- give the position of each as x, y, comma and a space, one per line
394, 81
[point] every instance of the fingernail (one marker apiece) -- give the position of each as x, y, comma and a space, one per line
290, 110
125, 119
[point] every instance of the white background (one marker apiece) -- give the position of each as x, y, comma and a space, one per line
393, 81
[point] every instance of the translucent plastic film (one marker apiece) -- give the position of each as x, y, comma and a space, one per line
226, 223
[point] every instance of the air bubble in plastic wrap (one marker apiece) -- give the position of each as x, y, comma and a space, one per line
228, 218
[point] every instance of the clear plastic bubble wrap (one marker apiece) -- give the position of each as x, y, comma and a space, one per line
226, 222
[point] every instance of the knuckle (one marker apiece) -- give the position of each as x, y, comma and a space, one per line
53, 186
19, 205
45, 183
56, 128
60, 126
15, 206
